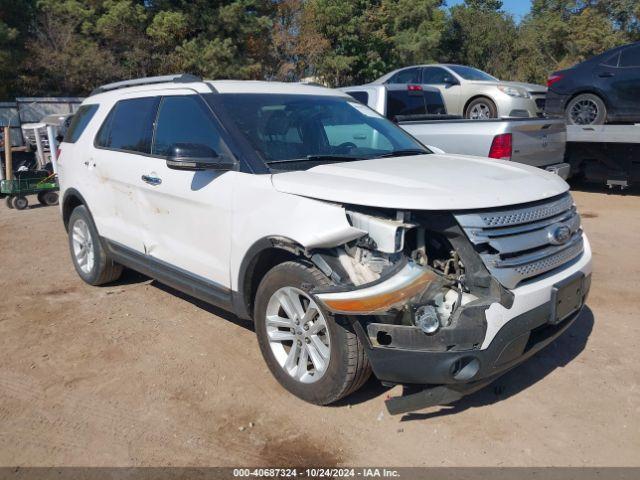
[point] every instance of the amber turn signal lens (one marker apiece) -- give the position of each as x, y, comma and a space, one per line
407, 283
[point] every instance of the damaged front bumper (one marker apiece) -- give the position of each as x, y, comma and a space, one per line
453, 375
442, 367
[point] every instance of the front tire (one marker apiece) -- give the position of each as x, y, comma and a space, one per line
312, 354
481, 109
586, 109
91, 261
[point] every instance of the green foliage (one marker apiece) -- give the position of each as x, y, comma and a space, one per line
481, 37
15, 18
560, 33
66, 47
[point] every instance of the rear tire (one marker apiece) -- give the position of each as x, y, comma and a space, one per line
9, 202
586, 109
481, 109
335, 363
91, 261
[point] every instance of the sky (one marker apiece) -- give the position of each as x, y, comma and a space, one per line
518, 8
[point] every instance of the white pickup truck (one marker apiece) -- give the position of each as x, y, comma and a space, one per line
420, 110
351, 246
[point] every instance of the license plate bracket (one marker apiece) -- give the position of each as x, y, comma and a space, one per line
566, 298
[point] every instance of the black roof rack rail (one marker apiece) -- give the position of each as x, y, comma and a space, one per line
177, 78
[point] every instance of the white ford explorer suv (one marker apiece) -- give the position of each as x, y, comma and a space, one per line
351, 246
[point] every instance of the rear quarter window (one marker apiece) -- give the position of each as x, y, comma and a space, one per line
79, 122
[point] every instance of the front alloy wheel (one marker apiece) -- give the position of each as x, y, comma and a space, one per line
313, 354
298, 334
481, 109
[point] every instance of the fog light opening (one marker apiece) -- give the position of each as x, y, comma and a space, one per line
465, 368
426, 318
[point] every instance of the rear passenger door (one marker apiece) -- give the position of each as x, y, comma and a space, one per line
122, 142
186, 215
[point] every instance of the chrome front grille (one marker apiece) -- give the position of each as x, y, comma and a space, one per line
516, 244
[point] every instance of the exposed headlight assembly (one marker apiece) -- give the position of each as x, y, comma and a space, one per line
410, 281
514, 91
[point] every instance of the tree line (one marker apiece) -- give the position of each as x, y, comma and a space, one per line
67, 47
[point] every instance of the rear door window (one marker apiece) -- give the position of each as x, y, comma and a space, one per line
184, 119
129, 125
79, 122
630, 57
612, 61
410, 75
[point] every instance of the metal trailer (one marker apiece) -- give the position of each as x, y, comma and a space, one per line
10, 117
17, 185
32, 111
607, 154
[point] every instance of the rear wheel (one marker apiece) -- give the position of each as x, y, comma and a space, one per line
586, 109
314, 355
9, 202
91, 261
481, 109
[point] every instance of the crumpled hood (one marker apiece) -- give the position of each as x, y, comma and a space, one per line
424, 182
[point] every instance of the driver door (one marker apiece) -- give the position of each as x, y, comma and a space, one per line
448, 85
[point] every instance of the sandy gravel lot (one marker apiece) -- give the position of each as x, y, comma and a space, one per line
135, 374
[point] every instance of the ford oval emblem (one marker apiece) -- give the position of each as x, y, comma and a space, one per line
560, 235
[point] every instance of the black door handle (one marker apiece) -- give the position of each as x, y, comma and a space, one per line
151, 180
605, 75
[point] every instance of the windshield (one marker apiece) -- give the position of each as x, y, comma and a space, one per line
297, 132
470, 73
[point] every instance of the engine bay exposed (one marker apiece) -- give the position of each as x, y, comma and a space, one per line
424, 241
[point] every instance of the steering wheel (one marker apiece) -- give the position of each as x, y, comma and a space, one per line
346, 147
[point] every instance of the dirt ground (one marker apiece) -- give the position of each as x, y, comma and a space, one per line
135, 374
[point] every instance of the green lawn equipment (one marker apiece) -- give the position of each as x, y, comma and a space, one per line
32, 182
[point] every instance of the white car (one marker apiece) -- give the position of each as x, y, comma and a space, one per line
472, 93
351, 246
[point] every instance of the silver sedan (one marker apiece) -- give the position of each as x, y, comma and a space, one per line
472, 93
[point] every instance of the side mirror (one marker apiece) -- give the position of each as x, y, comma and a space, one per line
193, 156
449, 81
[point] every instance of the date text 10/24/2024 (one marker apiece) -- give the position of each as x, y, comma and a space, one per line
316, 472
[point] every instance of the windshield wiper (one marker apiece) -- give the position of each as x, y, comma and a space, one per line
313, 158
403, 153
